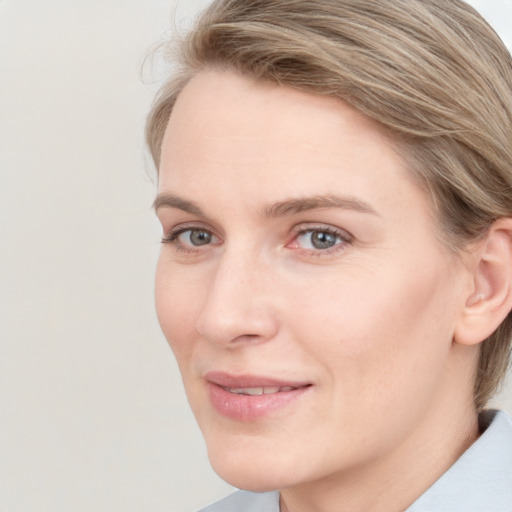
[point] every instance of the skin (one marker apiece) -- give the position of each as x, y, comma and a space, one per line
368, 322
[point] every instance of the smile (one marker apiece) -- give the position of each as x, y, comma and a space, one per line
269, 390
250, 398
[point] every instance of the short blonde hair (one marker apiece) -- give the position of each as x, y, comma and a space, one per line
432, 72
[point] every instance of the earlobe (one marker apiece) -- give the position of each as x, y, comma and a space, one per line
491, 298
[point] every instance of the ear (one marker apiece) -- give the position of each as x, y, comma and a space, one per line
490, 299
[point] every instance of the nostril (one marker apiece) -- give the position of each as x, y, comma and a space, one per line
246, 338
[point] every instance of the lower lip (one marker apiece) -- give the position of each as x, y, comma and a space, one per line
251, 407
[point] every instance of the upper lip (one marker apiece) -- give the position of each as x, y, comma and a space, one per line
228, 380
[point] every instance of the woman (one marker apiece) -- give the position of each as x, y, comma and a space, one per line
335, 277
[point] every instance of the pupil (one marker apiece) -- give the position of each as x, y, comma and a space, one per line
323, 240
200, 237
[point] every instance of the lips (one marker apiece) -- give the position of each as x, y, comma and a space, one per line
246, 397
267, 390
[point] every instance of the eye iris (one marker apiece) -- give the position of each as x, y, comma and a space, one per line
200, 237
323, 240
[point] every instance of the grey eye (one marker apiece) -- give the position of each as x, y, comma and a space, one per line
323, 239
318, 239
198, 237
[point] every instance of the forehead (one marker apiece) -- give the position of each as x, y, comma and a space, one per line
274, 140
238, 104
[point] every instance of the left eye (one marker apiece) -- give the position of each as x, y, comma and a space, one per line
318, 239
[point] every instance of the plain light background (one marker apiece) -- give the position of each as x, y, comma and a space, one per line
92, 412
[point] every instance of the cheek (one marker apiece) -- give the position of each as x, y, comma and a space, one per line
374, 329
379, 344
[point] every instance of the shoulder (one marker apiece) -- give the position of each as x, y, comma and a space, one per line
245, 501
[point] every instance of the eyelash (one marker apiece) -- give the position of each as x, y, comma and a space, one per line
173, 236
344, 239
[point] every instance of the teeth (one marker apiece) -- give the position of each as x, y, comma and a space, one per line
249, 391
269, 390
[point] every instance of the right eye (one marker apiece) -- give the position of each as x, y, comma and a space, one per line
190, 238
195, 237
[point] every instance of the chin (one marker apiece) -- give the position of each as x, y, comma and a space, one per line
250, 479
255, 472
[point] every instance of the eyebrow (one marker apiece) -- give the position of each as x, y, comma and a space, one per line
172, 201
294, 206
284, 208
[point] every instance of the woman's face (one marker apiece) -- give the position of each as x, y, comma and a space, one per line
301, 285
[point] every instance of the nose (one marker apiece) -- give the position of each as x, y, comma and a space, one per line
238, 306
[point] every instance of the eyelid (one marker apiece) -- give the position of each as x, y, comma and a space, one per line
305, 227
